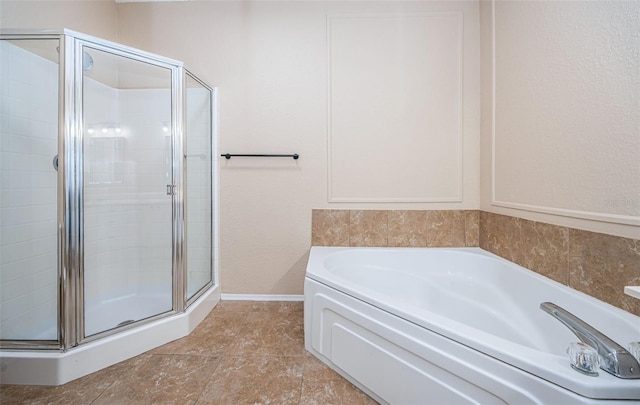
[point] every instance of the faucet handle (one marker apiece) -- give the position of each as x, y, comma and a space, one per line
584, 358
634, 349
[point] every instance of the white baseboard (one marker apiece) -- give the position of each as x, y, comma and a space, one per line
260, 297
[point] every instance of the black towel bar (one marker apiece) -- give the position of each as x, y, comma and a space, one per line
230, 155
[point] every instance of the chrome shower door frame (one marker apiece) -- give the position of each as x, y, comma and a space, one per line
16, 34
213, 173
76, 187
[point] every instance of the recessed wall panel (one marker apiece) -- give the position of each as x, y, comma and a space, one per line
567, 118
395, 113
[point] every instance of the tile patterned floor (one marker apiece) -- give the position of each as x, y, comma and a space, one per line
242, 353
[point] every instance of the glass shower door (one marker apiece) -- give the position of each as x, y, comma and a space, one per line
127, 192
198, 168
29, 72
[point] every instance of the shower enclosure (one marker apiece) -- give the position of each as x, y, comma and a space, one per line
108, 202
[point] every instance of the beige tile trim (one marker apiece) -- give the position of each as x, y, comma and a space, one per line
596, 264
395, 228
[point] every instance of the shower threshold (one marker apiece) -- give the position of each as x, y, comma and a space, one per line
57, 368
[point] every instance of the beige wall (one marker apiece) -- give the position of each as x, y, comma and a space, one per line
561, 120
269, 60
93, 17
394, 116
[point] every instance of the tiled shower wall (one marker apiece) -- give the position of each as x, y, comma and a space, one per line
127, 212
597, 264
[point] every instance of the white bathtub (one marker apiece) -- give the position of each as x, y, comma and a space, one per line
418, 326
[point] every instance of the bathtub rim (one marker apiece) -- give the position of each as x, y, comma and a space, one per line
605, 386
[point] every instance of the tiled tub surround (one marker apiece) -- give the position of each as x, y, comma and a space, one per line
395, 228
597, 264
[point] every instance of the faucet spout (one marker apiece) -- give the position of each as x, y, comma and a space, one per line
615, 359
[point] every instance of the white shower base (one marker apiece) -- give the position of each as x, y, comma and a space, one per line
47, 368
133, 307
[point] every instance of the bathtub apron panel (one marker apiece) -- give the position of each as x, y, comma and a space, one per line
399, 359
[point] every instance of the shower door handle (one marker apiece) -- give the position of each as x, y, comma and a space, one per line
171, 189
55, 162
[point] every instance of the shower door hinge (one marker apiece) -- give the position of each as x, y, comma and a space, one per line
171, 189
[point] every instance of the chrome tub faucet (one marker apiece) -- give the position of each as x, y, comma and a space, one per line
614, 359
